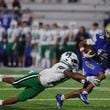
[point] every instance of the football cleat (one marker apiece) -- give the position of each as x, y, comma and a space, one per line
59, 101
83, 98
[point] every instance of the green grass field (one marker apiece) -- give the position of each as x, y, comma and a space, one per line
99, 98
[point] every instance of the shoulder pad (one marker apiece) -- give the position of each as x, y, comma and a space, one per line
100, 35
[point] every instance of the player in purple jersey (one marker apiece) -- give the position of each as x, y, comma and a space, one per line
94, 63
6, 19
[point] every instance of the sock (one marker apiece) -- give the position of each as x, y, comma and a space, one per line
83, 81
85, 92
62, 97
1, 102
1, 78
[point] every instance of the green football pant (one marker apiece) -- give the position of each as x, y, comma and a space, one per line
32, 86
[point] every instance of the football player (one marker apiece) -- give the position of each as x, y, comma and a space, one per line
12, 33
35, 44
34, 83
95, 62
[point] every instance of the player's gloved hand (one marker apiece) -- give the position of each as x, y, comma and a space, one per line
86, 55
94, 80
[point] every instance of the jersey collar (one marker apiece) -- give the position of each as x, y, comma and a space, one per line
66, 64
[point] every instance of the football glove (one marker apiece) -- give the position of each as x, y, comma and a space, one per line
94, 80
86, 55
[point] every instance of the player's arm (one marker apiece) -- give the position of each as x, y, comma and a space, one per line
86, 48
90, 41
74, 75
82, 44
101, 76
86, 42
81, 78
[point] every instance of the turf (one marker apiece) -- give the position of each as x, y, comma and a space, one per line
99, 98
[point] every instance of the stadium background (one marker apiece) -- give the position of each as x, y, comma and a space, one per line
33, 35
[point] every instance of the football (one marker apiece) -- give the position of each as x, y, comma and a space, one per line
89, 48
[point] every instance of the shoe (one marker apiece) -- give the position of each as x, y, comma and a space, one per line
59, 101
83, 98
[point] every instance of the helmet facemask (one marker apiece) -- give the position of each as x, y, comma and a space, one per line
75, 63
107, 32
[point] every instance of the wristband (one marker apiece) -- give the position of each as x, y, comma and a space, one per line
81, 49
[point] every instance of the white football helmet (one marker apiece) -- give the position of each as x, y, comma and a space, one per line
71, 59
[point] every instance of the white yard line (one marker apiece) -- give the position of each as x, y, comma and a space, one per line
59, 88
101, 99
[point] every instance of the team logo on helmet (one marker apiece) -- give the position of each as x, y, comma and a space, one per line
71, 59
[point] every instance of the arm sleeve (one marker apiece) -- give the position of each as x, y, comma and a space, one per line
62, 69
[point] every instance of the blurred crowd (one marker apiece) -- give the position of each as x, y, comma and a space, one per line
39, 44
25, 42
